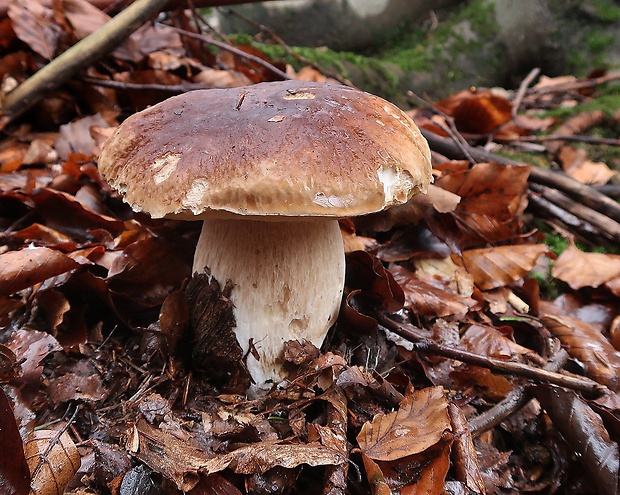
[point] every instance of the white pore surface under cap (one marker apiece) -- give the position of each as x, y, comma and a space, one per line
288, 280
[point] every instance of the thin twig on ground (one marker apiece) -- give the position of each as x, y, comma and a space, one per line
427, 346
229, 48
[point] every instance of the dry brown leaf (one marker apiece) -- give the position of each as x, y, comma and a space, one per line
53, 459
488, 341
220, 78
181, 459
575, 163
76, 137
499, 266
27, 267
477, 111
579, 269
417, 474
419, 423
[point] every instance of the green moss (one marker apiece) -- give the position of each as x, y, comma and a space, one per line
606, 10
367, 72
420, 49
607, 100
523, 157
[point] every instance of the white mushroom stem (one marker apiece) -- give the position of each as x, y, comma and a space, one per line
288, 280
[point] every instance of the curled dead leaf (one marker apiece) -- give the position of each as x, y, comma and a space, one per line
53, 460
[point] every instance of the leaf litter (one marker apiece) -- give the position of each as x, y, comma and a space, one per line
99, 391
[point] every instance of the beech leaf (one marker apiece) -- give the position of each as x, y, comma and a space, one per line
579, 269
600, 360
27, 267
419, 423
499, 266
53, 459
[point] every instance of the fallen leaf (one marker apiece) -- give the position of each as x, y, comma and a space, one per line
585, 432
493, 198
53, 459
500, 266
600, 360
33, 24
579, 269
430, 300
420, 422
181, 460
575, 163
27, 267
31, 347
14, 472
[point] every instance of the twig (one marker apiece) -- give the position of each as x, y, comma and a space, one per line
568, 221
578, 84
607, 227
172, 88
586, 195
44, 459
229, 48
78, 57
427, 346
565, 137
452, 131
514, 401
522, 89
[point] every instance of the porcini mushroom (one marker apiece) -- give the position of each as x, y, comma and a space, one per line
269, 169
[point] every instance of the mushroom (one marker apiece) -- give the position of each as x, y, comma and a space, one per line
269, 169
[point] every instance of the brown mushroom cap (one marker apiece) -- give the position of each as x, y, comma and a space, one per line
288, 148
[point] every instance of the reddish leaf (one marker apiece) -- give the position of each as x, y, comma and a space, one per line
14, 472
365, 272
493, 198
27, 267
482, 113
31, 347
427, 299
499, 266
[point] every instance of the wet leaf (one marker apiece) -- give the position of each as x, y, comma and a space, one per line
27, 267
419, 423
584, 431
30, 348
14, 472
427, 299
586, 344
53, 459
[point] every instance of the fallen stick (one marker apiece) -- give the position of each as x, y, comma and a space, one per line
585, 194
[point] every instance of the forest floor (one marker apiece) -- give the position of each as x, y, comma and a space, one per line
478, 343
